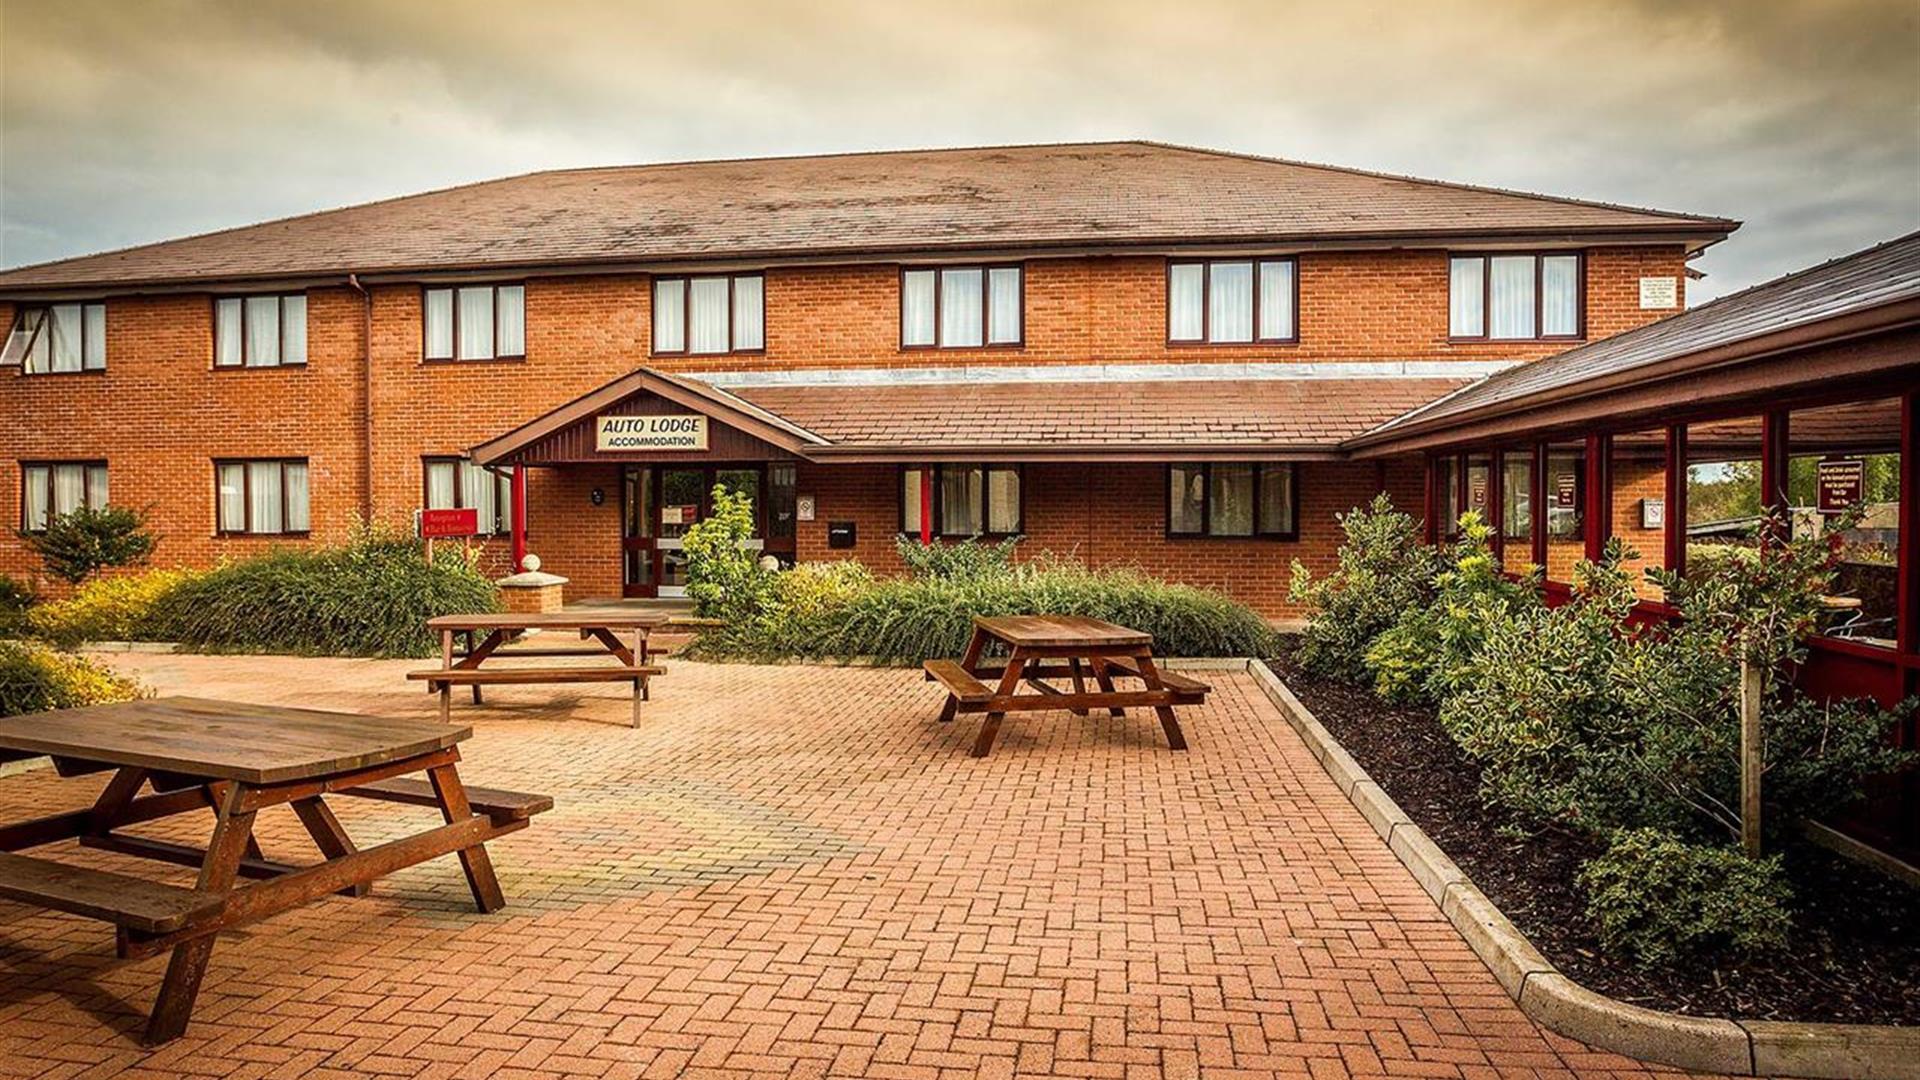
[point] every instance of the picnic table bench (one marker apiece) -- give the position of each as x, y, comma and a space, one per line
603, 630
1042, 647
195, 754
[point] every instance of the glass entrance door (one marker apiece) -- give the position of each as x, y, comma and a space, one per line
638, 574
661, 502
683, 501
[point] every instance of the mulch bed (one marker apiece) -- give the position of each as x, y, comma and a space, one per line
1855, 957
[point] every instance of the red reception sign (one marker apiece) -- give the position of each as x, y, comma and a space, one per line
440, 524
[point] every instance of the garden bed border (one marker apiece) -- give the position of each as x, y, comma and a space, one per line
1557, 1002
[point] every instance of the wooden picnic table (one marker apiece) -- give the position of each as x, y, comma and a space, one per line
603, 629
196, 753
1041, 647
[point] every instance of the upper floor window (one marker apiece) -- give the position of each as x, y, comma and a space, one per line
968, 500
262, 497
475, 322
1515, 297
260, 331
1233, 499
721, 313
59, 338
455, 483
49, 489
961, 307
1233, 301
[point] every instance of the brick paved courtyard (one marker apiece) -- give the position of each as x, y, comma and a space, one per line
794, 871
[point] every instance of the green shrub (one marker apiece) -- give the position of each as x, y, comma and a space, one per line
1385, 569
369, 597
724, 578
1424, 654
1658, 901
106, 609
15, 598
77, 543
34, 678
969, 558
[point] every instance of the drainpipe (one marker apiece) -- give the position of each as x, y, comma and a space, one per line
517, 492
366, 389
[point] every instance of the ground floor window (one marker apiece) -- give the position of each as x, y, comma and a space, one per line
49, 489
968, 500
1233, 499
454, 483
262, 497
1848, 457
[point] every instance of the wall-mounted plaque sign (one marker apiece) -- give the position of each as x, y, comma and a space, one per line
686, 431
1659, 293
1843, 482
1565, 491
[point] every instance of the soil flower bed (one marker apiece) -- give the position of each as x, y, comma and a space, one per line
1855, 953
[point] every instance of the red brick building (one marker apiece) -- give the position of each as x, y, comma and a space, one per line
1127, 353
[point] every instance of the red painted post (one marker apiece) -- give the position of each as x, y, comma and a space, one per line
926, 507
1907, 623
517, 494
1599, 508
1497, 506
1537, 528
1430, 511
1676, 529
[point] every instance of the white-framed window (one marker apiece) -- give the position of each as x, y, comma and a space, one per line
962, 307
455, 483
1516, 296
474, 322
1233, 301
260, 331
968, 500
1233, 499
710, 314
49, 489
261, 497
59, 339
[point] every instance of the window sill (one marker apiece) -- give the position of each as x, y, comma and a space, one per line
998, 347
449, 362
25, 374
263, 535
1269, 538
259, 367
1263, 343
1580, 339
686, 355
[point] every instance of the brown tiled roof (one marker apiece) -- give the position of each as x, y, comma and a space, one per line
1022, 197
1266, 414
1877, 277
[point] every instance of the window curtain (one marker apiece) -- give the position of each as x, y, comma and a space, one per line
1003, 305
263, 331
1466, 298
960, 502
749, 312
669, 316
439, 329
1186, 499
707, 332
293, 329
1276, 300
232, 504
511, 321
1003, 501
476, 322
916, 307
263, 497
69, 488
1230, 302
64, 337
910, 506
227, 328
1276, 499
1185, 288
477, 491
1512, 315
440, 485
97, 486
960, 310
1231, 500
34, 498
94, 352
1560, 295
296, 481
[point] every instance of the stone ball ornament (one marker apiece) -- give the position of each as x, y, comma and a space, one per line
531, 563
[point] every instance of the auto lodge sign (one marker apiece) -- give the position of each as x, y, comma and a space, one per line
686, 431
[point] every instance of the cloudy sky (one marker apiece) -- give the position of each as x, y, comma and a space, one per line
123, 123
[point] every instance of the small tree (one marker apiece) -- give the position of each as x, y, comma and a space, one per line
724, 578
77, 543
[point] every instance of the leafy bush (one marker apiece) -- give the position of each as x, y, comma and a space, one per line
15, 598
1658, 901
369, 597
967, 559
724, 578
77, 543
1385, 569
1423, 655
34, 678
106, 609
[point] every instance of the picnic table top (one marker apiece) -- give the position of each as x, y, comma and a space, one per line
226, 740
1060, 631
552, 620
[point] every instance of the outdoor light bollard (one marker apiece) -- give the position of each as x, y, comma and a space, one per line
531, 590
